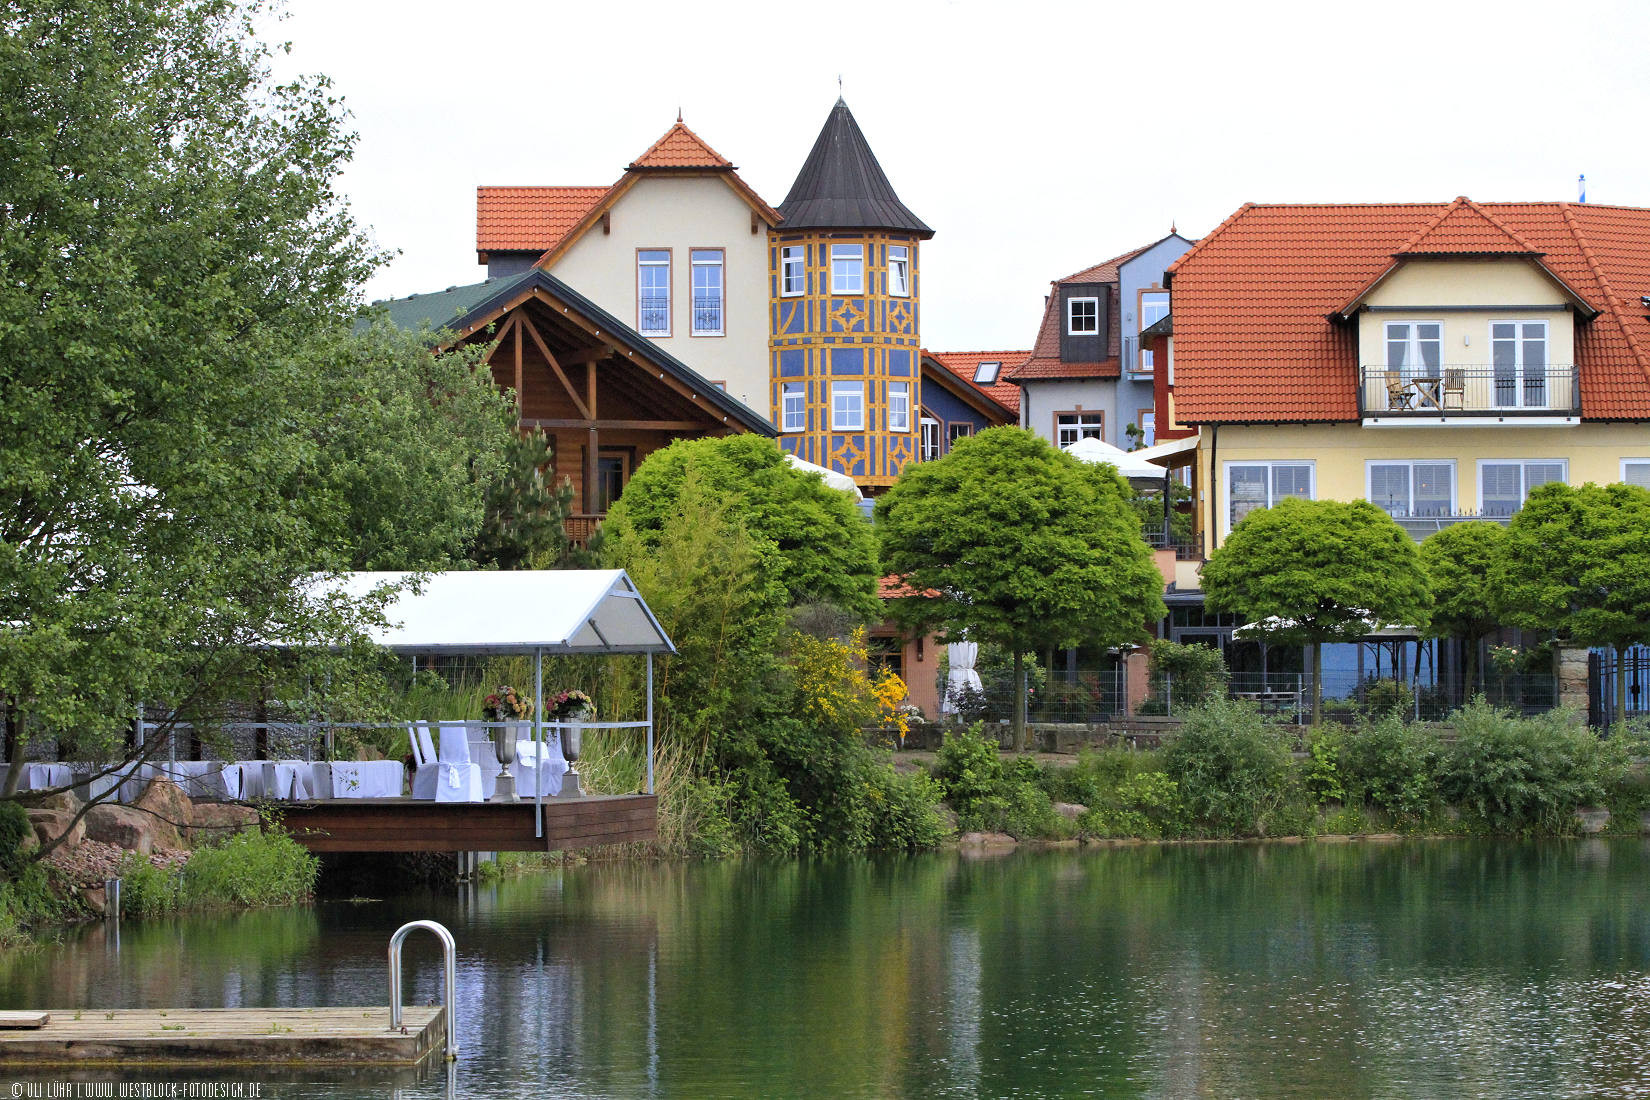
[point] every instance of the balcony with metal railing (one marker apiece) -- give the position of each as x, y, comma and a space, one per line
654, 315
1447, 393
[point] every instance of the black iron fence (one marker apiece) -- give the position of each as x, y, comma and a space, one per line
1470, 390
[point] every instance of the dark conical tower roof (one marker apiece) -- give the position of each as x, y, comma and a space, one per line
841, 186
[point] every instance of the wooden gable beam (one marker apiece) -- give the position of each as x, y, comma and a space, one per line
550, 358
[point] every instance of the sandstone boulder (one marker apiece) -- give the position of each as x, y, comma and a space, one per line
171, 808
986, 841
1592, 821
124, 827
62, 800
217, 820
1071, 811
50, 824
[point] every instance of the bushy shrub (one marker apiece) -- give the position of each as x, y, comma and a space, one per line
15, 830
1231, 767
904, 816
1527, 774
1021, 809
1145, 804
1392, 764
245, 870
967, 769
1192, 674
1324, 772
1383, 697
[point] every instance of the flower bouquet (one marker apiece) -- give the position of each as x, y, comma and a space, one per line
506, 705
572, 706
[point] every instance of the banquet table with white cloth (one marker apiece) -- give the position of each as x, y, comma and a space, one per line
367, 778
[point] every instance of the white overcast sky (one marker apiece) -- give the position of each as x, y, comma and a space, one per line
1035, 138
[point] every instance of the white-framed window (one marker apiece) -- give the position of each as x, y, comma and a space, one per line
1415, 349
1252, 485
847, 269
1148, 361
793, 410
653, 291
848, 406
1504, 484
960, 429
899, 406
1154, 306
793, 272
1636, 471
1403, 489
709, 296
899, 271
1518, 355
1071, 426
985, 373
930, 444
1082, 316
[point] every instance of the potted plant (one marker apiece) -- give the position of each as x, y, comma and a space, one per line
575, 707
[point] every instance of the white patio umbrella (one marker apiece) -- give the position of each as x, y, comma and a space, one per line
961, 657
831, 477
1139, 472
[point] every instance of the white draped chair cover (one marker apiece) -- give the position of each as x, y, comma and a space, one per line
961, 657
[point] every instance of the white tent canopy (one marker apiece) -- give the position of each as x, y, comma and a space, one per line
1128, 463
830, 477
555, 611
1176, 452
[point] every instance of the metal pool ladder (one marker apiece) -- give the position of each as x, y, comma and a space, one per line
449, 953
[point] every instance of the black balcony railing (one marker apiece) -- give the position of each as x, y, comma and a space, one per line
1187, 548
707, 314
1453, 390
655, 314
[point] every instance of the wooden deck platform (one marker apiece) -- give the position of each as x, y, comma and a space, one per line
408, 825
226, 1036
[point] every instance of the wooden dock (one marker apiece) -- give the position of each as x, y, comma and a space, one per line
408, 825
226, 1036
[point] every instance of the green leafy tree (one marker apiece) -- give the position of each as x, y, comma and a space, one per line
525, 523
1458, 561
826, 551
1576, 563
188, 423
1311, 572
1015, 543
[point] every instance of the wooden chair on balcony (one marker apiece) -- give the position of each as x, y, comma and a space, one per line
1455, 388
1398, 393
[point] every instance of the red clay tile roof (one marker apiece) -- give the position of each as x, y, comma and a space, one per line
1104, 272
541, 219
894, 587
529, 219
963, 364
1254, 342
680, 148
1464, 226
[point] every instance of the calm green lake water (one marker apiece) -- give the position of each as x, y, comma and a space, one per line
1416, 969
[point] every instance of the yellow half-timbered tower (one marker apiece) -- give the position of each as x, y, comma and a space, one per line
844, 287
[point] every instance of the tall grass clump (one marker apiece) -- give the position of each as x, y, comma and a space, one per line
1231, 768
1522, 775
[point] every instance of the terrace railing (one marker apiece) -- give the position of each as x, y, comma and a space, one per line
1550, 389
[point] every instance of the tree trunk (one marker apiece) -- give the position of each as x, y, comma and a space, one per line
1621, 686
1474, 684
1019, 700
14, 747
1317, 682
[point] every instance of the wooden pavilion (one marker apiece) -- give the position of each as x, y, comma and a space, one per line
607, 396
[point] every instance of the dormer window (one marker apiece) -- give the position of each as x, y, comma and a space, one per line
1414, 348
1082, 316
985, 374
